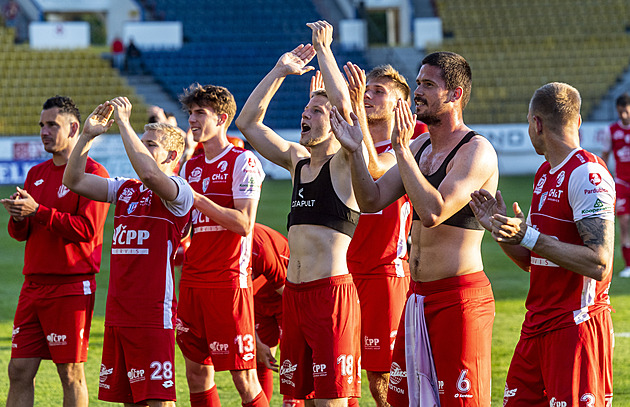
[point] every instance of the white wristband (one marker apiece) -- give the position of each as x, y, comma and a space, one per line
530, 238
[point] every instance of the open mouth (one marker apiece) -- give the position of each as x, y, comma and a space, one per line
305, 128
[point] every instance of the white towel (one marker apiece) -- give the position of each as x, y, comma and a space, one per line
421, 377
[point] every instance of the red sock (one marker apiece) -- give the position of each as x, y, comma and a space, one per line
287, 401
352, 402
258, 401
625, 252
265, 377
208, 398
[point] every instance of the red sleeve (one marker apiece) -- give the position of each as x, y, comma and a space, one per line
82, 226
270, 257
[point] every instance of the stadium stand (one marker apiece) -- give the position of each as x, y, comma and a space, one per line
30, 77
516, 47
236, 47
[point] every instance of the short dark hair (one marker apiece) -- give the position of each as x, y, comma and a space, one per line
388, 72
65, 104
623, 100
456, 71
217, 97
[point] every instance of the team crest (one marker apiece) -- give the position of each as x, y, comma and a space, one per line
195, 175
132, 207
206, 182
63, 191
541, 184
560, 179
595, 178
543, 198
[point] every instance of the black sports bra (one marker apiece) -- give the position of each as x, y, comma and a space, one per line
464, 218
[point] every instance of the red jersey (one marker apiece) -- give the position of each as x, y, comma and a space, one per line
580, 187
379, 244
218, 257
619, 139
270, 258
65, 236
147, 231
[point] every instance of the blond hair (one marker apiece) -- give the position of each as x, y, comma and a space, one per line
556, 104
170, 137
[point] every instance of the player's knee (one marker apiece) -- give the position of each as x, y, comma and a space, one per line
71, 374
245, 381
21, 371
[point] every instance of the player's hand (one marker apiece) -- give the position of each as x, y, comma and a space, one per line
264, 356
509, 230
295, 62
356, 85
20, 205
122, 109
404, 125
322, 34
349, 135
98, 122
317, 82
484, 205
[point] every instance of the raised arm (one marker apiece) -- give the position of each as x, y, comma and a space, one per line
378, 164
143, 162
250, 121
474, 167
371, 196
334, 83
88, 185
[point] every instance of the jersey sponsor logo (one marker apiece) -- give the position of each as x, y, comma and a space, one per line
538, 261
195, 175
543, 198
222, 166
595, 178
560, 179
38, 182
302, 203
541, 183
319, 370
122, 235
557, 403
371, 343
63, 191
126, 195
135, 375
220, 178
217, 348
287, 369
396, 374
249, 185
56, 339
598, 207
599, 190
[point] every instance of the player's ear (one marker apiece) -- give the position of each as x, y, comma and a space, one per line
222, 118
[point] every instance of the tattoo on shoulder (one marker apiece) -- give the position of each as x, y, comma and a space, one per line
596, 231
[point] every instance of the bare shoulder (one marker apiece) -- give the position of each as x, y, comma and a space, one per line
479, 148
416, 143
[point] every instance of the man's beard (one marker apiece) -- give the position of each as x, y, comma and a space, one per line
429, 119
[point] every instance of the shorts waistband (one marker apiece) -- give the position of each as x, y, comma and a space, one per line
322, 282
472, 280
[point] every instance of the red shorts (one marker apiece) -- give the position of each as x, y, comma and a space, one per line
138, 364
211, 332
622, 189
459, 313
382, 301
320, 345
565, 367
268, 317
53, 327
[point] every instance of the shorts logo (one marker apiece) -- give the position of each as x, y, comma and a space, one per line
195, 175
557, 403
180, 327
319, 370
167, 384
248, 356
39, 182
396, 374
135, 375
217, 348
63, 191
56, 340
371, 343
287, 369
507, 394
105, 372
